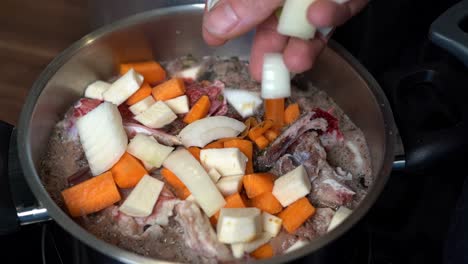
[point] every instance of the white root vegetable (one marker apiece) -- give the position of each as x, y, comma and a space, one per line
299, 244
292, 186
261, 240
293, 20
230, 185
214, 174
271, 224
227, 161
238, 225
340, 215
190, 73
245, 102
179, 105
194, 176
123, 87
276, 80
148, 150
103, 137
142, 106
156, 116
96, 89
143, 197
206, 130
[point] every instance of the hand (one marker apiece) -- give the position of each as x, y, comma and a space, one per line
232, 18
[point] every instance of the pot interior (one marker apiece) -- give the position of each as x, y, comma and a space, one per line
166, 34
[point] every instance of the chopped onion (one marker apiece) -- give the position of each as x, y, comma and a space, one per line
293, 20
203, 131
194, 176
245, 102
276, 79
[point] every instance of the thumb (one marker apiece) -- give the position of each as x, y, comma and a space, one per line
231, 18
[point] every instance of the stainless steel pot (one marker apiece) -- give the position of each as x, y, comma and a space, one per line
167, 33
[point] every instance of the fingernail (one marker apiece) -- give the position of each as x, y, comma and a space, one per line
210, 4
221, 19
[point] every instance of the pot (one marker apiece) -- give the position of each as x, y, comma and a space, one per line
164, 34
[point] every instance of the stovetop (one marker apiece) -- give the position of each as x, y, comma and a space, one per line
410, 222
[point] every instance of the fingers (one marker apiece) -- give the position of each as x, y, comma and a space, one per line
328, 13
266, 39
300, 55
231, 18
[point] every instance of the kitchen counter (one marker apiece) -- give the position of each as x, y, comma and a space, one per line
31, 35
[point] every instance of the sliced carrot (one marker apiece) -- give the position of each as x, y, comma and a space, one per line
172, 179
274, 110
263, 252
199, 110
232, 201
291, 113
91, 195
267, 202
214, 145
246, 147
262, 142
173, 88
296, 214
128, 171
183, 193
151, 70
249, 123
271, 135
195, 152
260, 129
258, 183
144, 91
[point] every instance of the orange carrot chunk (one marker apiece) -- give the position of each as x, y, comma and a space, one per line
172, 179
274, 110
271, 135
267, 202
296, 214
214, 145
183, 193
199, 110
142, 93
173, 88
260, 129
151, 70
262, 142
291, 113
128, 171
263, 252
195, 152
246, 147
232, 201
91, 195
258, 183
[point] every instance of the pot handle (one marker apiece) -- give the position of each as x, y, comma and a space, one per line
450, 31
8, 220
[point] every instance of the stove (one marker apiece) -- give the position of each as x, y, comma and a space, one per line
419, 216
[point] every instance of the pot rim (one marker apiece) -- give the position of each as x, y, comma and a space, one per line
126, 256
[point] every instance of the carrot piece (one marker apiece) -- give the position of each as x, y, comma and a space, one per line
91, 195
296, 214
250, 122
291, 113
195, 152
151, 70
259, 129
263, 252
271, 135
274, 110
232, 201
267, 202
128, 171
214, 145
172, 179
199, 110
169, 89
262, 142
144, 91
183, 193
246, 147
258, 183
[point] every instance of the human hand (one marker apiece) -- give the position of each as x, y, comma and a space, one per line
229, 19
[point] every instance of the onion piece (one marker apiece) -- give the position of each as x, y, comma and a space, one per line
203, 131
245, 102
194, 176
276, 82
339, 217
293, 20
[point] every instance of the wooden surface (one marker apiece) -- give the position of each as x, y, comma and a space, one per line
32, 33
